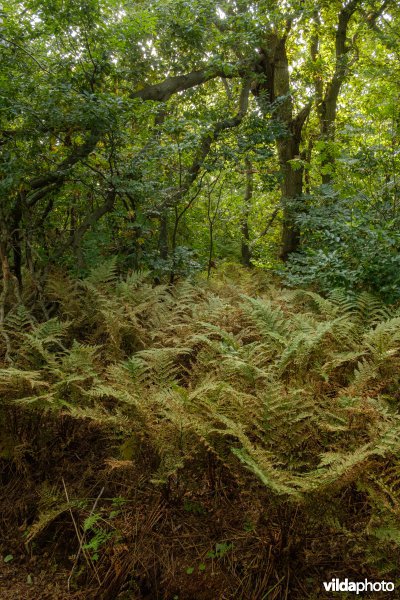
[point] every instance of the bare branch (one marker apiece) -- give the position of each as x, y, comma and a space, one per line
51, 181
161, 92
269, 224
206, 143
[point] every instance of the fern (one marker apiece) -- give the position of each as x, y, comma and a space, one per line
44, 520
19, 320
269, 321
270, 477
287, 390
104, 273
364, 307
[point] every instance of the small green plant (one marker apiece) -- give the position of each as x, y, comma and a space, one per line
249, 526
98, 536
220, 550
97, 540
201, 569
194, 507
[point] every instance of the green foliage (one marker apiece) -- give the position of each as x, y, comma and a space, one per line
349, 243
221, 549
103, 154
97, 540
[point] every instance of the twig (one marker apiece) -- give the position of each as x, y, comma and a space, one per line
90, 514
80, 537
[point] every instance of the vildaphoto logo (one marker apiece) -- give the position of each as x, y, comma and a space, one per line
336, 585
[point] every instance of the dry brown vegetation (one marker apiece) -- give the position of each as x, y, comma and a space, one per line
220, 440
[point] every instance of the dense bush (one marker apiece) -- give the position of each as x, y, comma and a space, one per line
349, 246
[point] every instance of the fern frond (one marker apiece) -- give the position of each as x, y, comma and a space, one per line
106, 272
272, 478
327, 308
14, 381
18, 320
269, 321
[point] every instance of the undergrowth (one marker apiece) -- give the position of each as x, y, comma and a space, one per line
223, 439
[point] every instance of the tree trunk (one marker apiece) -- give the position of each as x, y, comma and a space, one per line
16, 240
275, 99
291, 192
163, 237
246, 252
327, 103
244, 226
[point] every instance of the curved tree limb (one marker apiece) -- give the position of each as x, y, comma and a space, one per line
205, 146
47, 183
161, 92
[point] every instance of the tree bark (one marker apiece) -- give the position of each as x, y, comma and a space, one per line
244, 226
163, 236
275, 98
162, 91
327, 102
16, 238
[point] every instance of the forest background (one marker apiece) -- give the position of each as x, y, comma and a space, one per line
172, 134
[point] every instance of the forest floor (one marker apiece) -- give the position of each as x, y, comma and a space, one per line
28, 580
213, 441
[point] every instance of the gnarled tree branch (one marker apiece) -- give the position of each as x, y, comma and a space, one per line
161, 92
